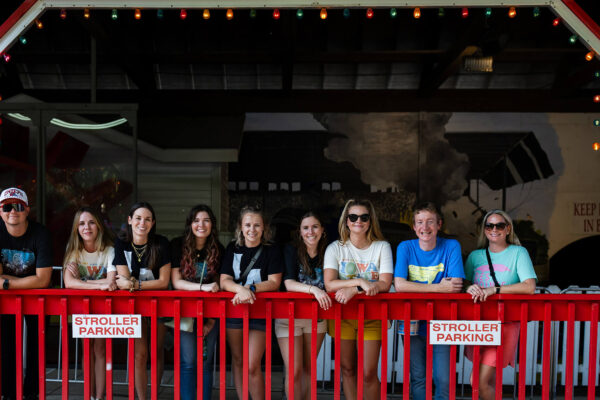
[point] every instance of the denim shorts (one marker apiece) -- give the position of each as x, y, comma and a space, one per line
254, 324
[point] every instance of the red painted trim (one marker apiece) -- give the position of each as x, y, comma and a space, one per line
16, 16
583, 16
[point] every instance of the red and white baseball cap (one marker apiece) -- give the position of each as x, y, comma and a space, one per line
13, 195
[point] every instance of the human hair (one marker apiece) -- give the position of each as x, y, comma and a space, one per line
374, 231
427, 206
239, 235
213, 250
301, 246
75, 243
153, 246
511, 237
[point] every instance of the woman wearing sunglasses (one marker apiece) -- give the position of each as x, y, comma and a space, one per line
88, 265
360, 261
304, 274
500, 265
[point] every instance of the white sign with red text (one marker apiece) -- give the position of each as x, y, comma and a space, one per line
478, 333
107, 326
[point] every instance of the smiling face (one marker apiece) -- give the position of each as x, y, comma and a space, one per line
202, 225
15, 218
87, 228
496, 235
141, 223
426, 226
252, 229
358, 227
311, 231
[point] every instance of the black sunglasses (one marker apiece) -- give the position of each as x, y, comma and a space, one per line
355, 217
18, 207
500, 225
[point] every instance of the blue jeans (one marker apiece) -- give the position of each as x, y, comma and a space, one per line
188, 356
418, 368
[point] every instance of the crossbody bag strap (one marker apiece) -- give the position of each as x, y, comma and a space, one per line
250, 265
491, 266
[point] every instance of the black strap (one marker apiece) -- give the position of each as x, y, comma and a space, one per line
491, 266
250, 265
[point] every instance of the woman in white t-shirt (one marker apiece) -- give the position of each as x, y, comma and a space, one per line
88, 265
361, 261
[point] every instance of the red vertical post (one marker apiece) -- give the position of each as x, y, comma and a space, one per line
42, 347
406, 360
313, 350
429, 352
131, 356
222, 347
593, 352
384, 344
338, 332
153, 349
361, 350
19, 345
475, 373
291, 350
0, 362
452, 366
109, 361
200, 348
245, 334
65, 347
86, 357
523, 350
268, 351
177, 348
570, 345
499, 355
546, 363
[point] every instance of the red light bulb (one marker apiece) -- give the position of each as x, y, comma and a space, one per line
556, 21
465, 12
183, 14
370, 13
276, 13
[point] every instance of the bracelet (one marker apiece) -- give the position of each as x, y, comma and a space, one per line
139, 285
132, 288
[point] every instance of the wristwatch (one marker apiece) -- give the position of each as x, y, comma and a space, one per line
253, 288
5, 284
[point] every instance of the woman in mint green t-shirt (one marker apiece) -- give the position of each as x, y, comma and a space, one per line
512, 273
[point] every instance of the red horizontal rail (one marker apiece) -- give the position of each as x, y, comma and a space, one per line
536, 310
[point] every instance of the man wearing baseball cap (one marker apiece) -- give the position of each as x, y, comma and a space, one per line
25, 263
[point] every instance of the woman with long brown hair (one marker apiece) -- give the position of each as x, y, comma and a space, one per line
304, 274
196, 261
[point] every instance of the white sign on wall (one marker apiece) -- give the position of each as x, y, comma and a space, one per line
479, 333
107, 325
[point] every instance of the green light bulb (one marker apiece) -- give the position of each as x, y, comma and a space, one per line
441, 12
573, 39
488, 12
597, 122
393, 13
114, 14
252, 13
299, 13
346, 13
536, 12
159, 14
23, 40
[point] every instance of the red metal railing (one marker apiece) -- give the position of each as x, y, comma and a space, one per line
391, 306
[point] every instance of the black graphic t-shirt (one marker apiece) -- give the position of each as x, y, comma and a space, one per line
202, 270
295, 271
22, 255
140, 269
237, 258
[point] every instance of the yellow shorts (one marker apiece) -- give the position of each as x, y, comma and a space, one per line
349, 329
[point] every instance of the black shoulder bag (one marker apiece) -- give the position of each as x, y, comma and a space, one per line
250, 265
492, 272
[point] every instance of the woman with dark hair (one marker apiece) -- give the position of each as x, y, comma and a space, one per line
88, 265
304, 274
250, 266
500, 265
143, 262
361, 261
196, 260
